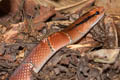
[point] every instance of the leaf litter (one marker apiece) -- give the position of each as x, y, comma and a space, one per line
27, 22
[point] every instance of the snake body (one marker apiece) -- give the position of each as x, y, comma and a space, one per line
48, 46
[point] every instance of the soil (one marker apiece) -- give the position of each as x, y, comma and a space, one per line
67, 63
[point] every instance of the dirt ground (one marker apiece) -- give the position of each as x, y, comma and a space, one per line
24, 24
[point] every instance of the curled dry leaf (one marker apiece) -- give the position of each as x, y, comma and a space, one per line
111, 42
105, 32
29, 7
12, 9
16, 28
38, 21
44, 14
105, 55
32, 8
112, 36
117, 23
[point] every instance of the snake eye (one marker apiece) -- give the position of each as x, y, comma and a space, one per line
97, 12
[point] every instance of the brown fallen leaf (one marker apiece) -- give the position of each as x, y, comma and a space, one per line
104, 55
29, 7
108, 35
112, 35
16, 28
116, 20
44, 14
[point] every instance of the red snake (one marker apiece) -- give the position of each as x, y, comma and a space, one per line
48, 46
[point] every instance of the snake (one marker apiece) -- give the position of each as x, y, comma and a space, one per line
47, 47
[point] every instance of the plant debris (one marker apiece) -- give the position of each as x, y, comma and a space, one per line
24, 23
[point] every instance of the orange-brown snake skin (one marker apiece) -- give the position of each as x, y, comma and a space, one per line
48, 46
